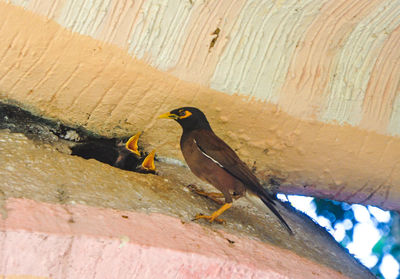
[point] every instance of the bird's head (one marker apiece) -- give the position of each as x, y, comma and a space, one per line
189, 118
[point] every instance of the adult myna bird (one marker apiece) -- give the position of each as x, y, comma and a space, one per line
212, 160
110, 151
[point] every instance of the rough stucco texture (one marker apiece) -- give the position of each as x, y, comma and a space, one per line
57, 241
85, 209
326, 60
279, 124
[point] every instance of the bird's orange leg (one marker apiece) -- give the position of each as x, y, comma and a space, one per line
148, 162
214, 196
213, 217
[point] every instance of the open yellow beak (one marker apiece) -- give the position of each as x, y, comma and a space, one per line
132, 144
168, 115
148, 162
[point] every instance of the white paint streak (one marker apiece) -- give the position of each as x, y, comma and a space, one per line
84, 17
158, 31
258, 55
21, 3
257, 45
350, 79
394, 124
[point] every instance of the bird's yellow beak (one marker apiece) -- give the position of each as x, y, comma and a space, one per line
148, 163
132, 144
168, 115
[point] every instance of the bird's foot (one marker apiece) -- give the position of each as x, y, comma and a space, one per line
209, 218
210, 195
213, 217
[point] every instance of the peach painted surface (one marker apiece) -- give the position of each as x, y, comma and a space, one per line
58, 241
303, 70
316, 59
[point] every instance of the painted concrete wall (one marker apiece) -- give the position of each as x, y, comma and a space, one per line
66, 217
306, 89
326, 60
101, 244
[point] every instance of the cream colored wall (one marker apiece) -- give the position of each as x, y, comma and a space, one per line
326, 60
307, 89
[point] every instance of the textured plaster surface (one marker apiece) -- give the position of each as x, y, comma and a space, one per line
81, 81
90, 217
75, 241
316, 59
291, 64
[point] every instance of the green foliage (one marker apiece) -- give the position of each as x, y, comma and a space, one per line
389, 243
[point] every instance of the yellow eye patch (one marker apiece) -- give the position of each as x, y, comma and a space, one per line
186, 115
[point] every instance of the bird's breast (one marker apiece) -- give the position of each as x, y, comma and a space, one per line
196, 161
201, 164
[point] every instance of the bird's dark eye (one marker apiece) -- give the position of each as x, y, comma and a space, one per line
184, 114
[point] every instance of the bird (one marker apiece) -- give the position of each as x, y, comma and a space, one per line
215, 162
115, 153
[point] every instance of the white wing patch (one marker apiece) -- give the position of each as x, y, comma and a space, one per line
208, 156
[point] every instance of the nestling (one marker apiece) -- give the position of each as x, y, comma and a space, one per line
110, 151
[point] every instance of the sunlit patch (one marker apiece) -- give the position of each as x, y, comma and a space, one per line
339, 231
324, 222
132, 144
389, 267
304, 204
369, 260
282, 197
347, 224
380, 215
366, 234
361, 213
364, 242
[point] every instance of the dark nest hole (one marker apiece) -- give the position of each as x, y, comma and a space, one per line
82, 143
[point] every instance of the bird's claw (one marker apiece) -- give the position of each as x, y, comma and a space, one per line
209, 218
215, 197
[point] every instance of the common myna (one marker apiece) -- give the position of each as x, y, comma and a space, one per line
212, 160
110, 151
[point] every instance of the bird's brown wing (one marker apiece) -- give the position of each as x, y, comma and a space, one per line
221, 153
211, 145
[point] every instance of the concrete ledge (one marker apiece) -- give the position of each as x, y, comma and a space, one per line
79, 217
83, 81
76, 241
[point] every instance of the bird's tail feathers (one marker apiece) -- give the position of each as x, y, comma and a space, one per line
271, 206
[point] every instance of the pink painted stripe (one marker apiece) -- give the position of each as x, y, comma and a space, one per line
64, 241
